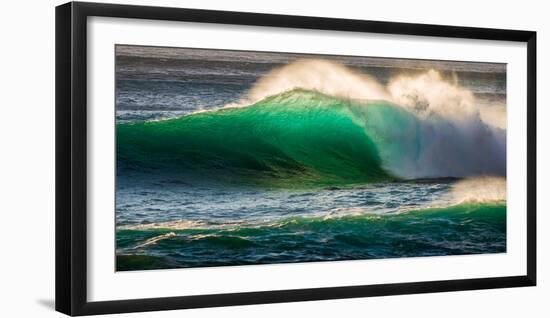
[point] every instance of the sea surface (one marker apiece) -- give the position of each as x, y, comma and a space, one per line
208, 176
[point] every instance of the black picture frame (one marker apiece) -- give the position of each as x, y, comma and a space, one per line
71, 157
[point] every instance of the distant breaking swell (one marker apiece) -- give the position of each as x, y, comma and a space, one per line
306, 137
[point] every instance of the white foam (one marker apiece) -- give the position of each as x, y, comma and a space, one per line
175, 225
155, 239
428, 94
425, 93
327, 77
479, 190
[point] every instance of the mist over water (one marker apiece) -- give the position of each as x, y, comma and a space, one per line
232, 158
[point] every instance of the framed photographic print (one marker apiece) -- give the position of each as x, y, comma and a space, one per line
208, 158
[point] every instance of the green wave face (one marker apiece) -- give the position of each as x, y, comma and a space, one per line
454, 230
293, 139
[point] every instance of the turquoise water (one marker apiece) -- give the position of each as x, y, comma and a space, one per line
295, 139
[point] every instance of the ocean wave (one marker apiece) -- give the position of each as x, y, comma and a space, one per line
306, 137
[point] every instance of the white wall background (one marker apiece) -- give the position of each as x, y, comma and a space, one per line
27, 158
